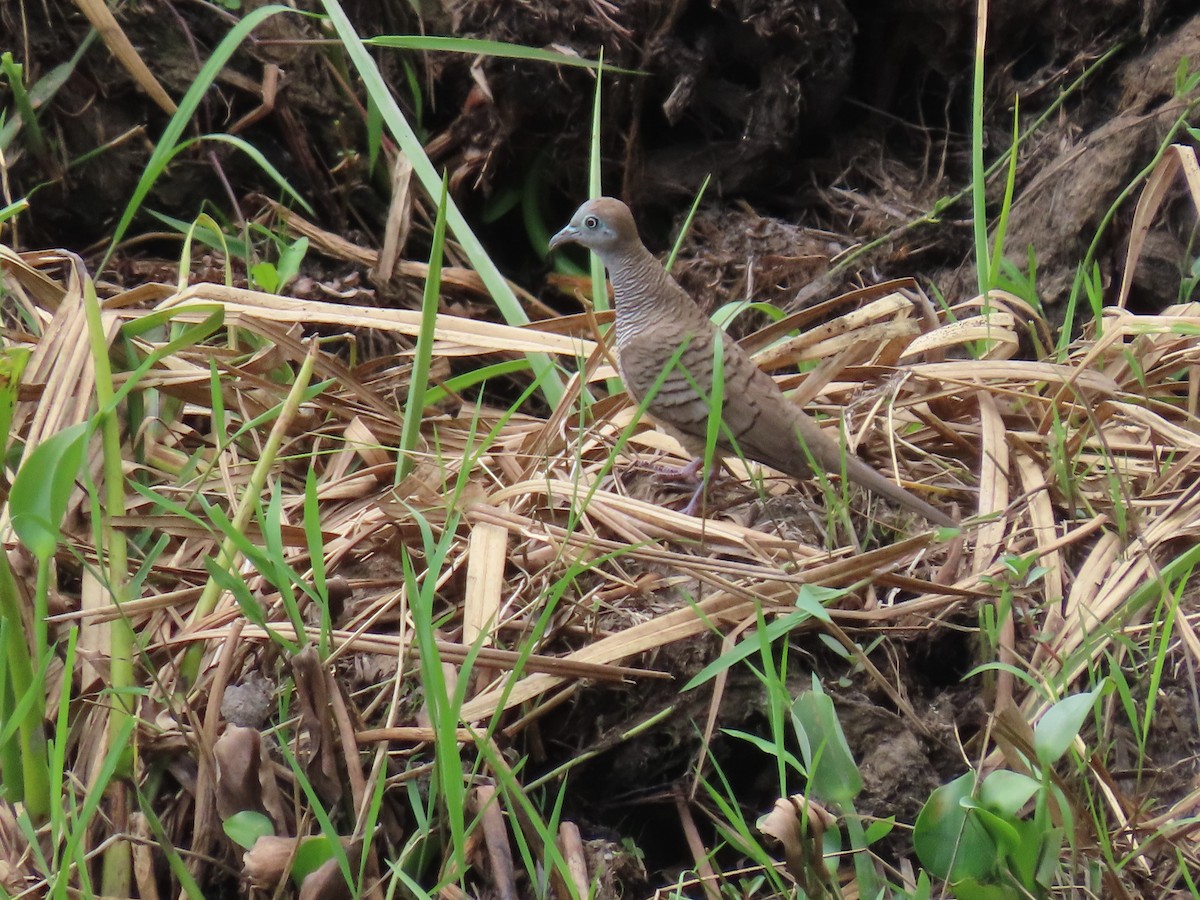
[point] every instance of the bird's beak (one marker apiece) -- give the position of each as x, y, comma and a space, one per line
567, 236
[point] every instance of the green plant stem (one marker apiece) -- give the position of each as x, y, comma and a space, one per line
41, 606
114, 562
423, 354
596, 190
983, 266
21, 99
227, 556
35, 774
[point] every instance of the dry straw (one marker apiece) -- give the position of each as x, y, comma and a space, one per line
1087, 463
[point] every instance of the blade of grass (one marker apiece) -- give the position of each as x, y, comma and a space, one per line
166, 145
687, 224
33, 130
596, 190
442, 712
543, 367
227, 555
481, 47
414, 407
46, 87
316, 557
978, 175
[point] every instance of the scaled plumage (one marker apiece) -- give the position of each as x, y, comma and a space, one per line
655, 317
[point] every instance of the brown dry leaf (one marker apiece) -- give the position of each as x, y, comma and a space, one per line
570, 845
399, 219
1177, 158
328, 882
238, 754
122, 48
266, 865
16, 867
320, 756
484, 802
799, 824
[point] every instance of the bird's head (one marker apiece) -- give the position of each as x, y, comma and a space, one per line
604, 225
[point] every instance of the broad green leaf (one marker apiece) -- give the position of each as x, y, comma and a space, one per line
972, 889
948, 839
246, 827
1037, 843
879, 829
313, 853
1049, 856
42, 488
1005, 791
266, 277
1001, 828
833, 776
291, 256
1060, 725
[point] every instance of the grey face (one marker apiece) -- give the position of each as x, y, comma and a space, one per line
600, 225
585, 228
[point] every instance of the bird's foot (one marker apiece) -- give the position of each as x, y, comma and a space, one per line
696, 503
693, 472
690, 472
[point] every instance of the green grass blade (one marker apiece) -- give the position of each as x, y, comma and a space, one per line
414, 407
687, 224
481, 47
978, 175
251, 151
544, 368
595, 190
166, 145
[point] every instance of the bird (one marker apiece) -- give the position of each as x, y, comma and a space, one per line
659, 326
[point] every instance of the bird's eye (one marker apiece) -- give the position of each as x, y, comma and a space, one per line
591, 222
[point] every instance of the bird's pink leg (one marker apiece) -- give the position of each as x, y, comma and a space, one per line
693, 505
690, 472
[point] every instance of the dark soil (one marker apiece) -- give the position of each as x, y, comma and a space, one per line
824, 125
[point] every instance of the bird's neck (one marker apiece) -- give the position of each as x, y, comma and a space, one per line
638, 281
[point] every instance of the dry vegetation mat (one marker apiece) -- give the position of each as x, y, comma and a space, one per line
529, 560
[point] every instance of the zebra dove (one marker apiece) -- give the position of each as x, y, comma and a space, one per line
658, 322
